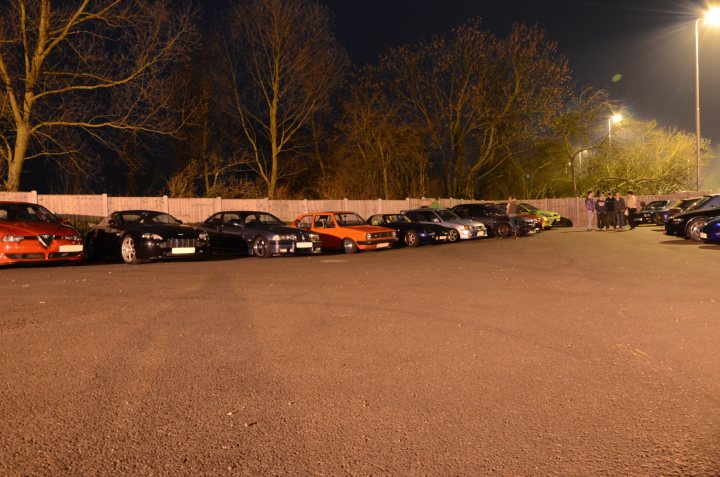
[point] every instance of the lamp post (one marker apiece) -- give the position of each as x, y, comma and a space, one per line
711, 17
614, 119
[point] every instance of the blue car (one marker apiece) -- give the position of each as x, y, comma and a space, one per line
711, 232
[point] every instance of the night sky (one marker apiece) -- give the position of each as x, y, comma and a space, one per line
650, 43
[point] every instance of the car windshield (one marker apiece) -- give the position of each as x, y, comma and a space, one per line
26, 212
446, 215
493, 209
148, 218
698, 204
349, 218
658, 204
262, 219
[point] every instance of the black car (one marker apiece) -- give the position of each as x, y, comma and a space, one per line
646, 215
411, 233
690, 223
139, 235
495, 219
674, 208
258, 233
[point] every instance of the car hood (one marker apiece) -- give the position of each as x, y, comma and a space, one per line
26, 228
277, 229
367, 228
164, 230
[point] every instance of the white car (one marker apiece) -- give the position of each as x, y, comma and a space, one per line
459, 228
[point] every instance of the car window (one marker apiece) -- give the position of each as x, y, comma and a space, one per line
161, 219
349, 218
226, 218
376, 220
130, 218
305, 222
269, 219
447, 214
324, 222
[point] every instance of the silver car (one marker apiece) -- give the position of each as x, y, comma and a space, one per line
459, 228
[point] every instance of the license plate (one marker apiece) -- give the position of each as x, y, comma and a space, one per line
183, 250
71, 248
703, 235
303, 245
442, 237
382, 245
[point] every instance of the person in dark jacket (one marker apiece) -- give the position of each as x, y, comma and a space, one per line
601, 210
590, 209
610, 211
619, 210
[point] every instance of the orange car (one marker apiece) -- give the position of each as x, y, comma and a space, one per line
345, 231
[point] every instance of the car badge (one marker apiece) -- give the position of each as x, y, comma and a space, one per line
45, 239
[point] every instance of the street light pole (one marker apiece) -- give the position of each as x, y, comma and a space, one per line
697, 105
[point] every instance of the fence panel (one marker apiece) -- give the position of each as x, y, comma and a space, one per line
92, 205
192, 210
137, 203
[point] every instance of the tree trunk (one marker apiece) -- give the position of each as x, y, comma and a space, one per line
15, 164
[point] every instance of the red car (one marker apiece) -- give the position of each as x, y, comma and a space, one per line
31, 233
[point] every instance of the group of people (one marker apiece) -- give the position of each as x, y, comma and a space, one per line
610, 211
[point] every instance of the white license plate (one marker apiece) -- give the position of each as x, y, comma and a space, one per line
183, 250
442, 237
382, 245
303, 245
71, 248
703, 235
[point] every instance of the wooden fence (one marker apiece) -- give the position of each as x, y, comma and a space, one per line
83, 210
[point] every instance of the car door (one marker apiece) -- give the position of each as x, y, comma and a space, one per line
324, 225
108, 235
213, 226
234, 232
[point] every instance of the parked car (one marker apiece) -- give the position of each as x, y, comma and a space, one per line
690, 223
646, 215
345, 231
541, 222
676, 207
411, 233
551, 218
140, 235
257, 233
495, 219
459, 228
711, 232
31, 233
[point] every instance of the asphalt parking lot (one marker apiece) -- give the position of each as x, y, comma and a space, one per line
568, 353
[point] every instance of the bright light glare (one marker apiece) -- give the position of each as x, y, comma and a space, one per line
616, 118
712, 16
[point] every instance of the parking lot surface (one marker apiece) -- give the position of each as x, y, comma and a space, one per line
568, 353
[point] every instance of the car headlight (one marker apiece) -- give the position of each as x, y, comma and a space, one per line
13, 238
150, 236
368, 236
394, 234
314, 237
73, 238
203, 236
467, 227
676, 220
277, 238
429, 232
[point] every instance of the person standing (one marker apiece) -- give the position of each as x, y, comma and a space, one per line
589, 209
619, 210
511, 211
631, 204
610, 211
601, 211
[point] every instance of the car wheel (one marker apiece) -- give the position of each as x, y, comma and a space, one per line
411, 238
693, 228
128, 250
453, 235
504, 230
349, 246
260, 247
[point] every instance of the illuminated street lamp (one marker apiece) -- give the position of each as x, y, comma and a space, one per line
712, 18
614, 119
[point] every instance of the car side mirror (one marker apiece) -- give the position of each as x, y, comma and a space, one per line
111, 223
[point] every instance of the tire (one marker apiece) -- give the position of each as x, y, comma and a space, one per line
693, 228
411, 238
260, 247
504, 230
349, 245
128, 251
453, 235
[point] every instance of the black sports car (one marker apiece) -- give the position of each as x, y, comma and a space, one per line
495, 219
690, 223
646, 215
138, 235
411, 233
674, 208
258, 233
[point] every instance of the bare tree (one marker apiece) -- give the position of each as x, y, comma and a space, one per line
86, 67
282, 62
